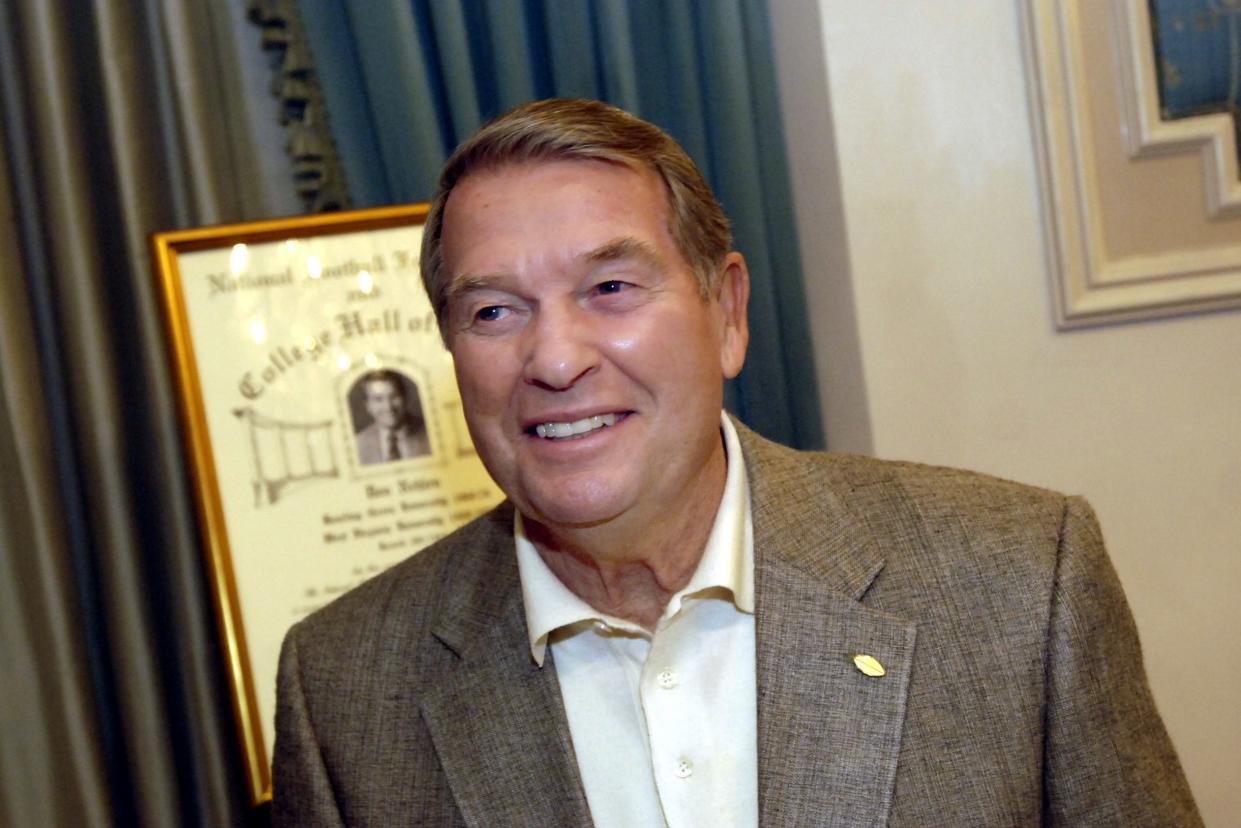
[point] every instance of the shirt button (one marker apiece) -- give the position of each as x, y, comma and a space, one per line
667, 679
683, 768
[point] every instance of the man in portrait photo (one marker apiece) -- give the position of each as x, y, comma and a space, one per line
396, 430
671, 620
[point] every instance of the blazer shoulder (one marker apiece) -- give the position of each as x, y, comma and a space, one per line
982, 510
920, 519
945, 483
793, 472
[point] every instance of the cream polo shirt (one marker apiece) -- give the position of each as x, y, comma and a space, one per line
664, 726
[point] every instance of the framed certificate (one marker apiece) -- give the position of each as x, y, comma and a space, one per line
322, 421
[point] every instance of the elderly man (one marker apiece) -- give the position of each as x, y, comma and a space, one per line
672, 621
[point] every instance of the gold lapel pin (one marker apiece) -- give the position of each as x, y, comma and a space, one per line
868, 665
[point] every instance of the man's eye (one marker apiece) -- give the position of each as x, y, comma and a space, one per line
491, 313
611, 286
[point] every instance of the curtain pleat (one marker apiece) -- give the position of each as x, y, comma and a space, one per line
451, 37
570, 48
727, 91
338, 67
395, 49
406, 80
52, 768
117, 122
776, 226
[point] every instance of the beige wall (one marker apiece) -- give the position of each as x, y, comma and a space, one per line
918, 212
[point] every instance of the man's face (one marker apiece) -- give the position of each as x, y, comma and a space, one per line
590, 368
384, 403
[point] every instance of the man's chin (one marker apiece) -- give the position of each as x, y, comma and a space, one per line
573, 513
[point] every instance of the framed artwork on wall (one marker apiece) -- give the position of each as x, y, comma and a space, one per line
321, 419
1141, 201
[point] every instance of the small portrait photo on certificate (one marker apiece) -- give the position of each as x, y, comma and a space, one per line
388, 423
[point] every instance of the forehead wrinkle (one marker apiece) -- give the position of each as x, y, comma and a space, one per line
618, 249
626, 247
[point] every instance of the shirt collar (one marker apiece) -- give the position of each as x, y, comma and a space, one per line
727, 562
399, 431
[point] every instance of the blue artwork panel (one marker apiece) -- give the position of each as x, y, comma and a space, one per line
1198, 48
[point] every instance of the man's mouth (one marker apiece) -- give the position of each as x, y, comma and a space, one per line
577, 428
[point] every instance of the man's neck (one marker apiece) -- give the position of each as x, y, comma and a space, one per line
630, 569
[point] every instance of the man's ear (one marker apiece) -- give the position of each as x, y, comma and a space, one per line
733, 295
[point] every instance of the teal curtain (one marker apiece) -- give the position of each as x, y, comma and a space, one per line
406, 80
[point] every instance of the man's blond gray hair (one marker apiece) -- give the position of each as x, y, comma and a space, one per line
561, 129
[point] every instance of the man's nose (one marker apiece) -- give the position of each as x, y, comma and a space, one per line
561, 349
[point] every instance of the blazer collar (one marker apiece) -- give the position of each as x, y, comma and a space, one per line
828, 735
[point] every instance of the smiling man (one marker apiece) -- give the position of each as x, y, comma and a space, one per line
672, 621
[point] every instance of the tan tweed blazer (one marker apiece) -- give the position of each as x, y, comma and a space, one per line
1014, 691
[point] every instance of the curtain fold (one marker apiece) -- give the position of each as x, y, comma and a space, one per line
407, 80
116, 120
51, 765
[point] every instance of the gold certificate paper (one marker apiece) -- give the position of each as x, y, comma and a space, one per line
323, 422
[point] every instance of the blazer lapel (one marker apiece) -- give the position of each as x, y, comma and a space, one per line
828, 734
498, 722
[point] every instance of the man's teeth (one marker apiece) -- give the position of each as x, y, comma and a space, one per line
559, 431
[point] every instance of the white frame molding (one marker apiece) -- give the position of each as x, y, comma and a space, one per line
1091, 288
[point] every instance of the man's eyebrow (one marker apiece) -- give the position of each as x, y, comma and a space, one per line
625, 248
469, 282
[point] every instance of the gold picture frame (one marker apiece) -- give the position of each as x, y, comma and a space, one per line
322, 424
